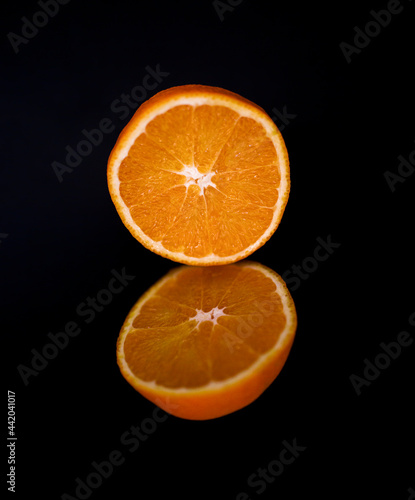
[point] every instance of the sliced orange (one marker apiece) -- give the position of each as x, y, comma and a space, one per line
200, 175
204, 342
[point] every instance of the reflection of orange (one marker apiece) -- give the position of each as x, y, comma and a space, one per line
200, 175
206, 341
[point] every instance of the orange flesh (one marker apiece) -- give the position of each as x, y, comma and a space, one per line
195, 220
170, 348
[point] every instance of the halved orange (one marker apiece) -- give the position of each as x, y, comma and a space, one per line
200, 175
204, 342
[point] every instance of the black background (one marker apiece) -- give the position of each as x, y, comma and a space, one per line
352, 121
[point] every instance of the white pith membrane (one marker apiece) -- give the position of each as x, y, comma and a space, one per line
212, 315
194, 177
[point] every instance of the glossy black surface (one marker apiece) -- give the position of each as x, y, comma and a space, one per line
347, 123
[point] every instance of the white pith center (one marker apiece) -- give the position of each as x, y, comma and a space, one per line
193, 176
212, 315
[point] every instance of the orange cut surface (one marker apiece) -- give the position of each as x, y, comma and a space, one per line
200, 175
206, 341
